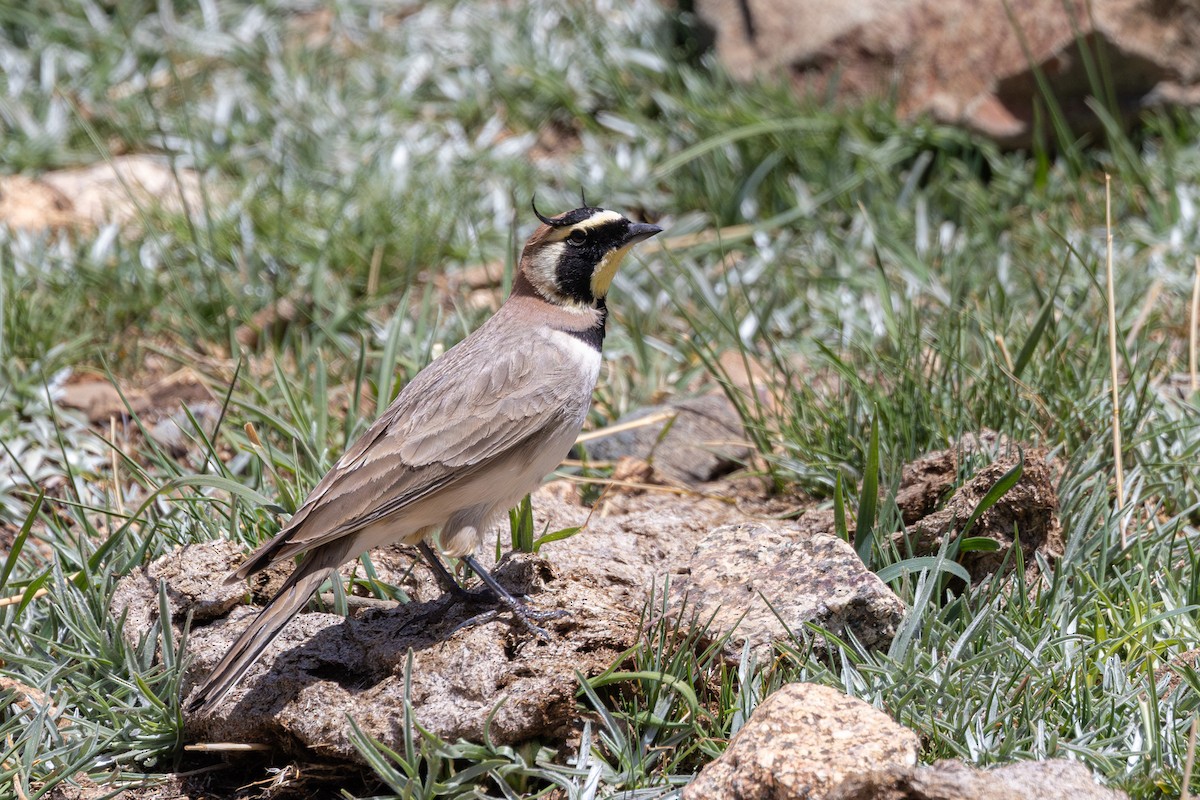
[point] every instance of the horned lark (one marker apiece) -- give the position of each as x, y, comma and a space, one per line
465, 440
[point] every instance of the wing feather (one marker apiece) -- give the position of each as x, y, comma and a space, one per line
472, 407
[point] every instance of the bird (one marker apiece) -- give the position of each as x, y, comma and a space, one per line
465, 440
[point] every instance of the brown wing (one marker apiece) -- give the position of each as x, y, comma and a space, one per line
471, 407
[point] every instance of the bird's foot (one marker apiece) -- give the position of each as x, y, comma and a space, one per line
491, 592
524, 616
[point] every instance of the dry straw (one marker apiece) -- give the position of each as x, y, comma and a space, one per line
1112, 359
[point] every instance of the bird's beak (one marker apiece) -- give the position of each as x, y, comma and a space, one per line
640, 232
607, 268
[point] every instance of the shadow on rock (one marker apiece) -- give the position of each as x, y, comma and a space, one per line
492, 679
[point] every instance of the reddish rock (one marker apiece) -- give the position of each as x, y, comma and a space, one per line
972, 63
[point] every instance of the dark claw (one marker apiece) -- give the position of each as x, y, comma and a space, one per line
522, 618
542, 616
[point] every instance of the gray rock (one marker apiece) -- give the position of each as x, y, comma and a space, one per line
324, 670
193, 577
760, 581
800, 743
1057, 779
705, 441
494, 679
487, 680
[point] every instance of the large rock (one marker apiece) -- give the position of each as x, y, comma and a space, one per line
481, 681
968, 62
800, 743
491, 679
952, 780
760, 583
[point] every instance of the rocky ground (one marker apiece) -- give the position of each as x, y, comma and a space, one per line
669, 536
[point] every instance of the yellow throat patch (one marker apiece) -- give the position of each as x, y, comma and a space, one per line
606, 270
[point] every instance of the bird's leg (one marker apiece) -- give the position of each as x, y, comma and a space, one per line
490, 591
446, 581
523, 613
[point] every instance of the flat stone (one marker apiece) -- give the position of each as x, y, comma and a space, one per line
762, 582
490, 680
1056, 779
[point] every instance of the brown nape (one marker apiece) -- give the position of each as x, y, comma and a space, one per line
523, 287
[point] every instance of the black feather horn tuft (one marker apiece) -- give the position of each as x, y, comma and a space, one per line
538, 214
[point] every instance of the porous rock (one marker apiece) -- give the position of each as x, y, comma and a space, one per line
801, 742
705, 441
191, 576
495, 679
761, 582
1056, 779
484, 680
324, 670
1028, 510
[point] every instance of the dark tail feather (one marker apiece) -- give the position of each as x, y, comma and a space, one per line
307, 576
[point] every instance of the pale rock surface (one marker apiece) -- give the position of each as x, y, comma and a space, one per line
800, 743
490, 679
1056, 779
118, 191
761, 582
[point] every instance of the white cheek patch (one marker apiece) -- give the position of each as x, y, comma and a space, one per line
606, 270
544, 273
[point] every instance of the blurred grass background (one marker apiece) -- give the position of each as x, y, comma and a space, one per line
896, 275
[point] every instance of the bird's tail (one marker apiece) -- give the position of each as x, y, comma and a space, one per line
304, 580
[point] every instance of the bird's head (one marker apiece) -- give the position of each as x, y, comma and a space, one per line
571, 259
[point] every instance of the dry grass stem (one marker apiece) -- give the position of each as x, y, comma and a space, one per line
1192, 322
1112, 358
1186, 793
13, 599
1008, 362
641, 422
227, 747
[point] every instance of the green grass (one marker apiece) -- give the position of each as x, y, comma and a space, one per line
898, 279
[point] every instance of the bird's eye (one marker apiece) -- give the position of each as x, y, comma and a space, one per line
577, 237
